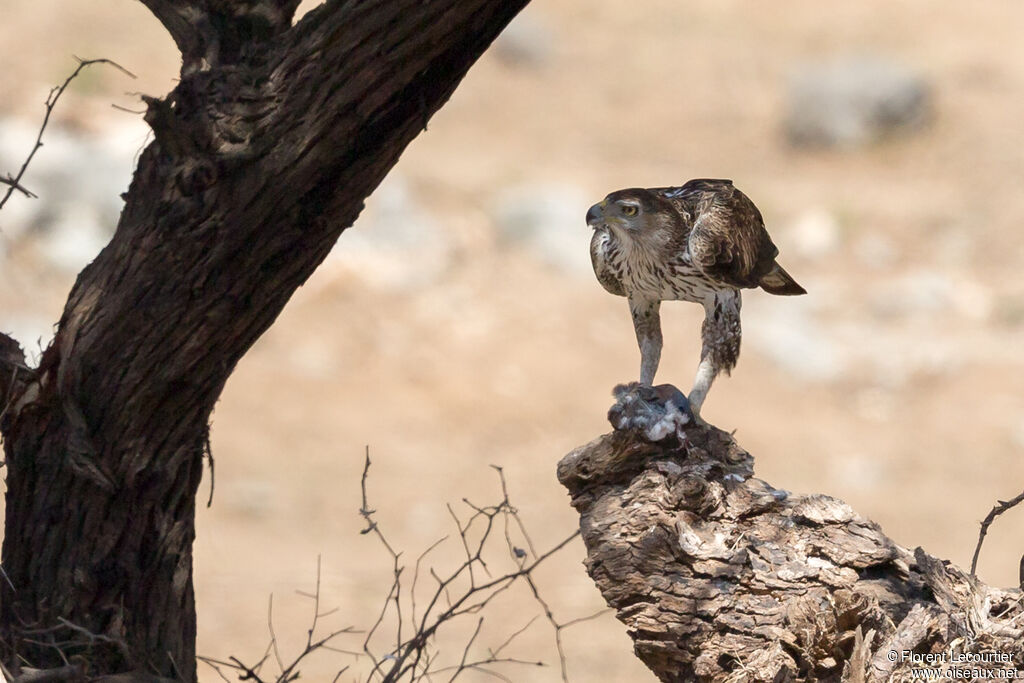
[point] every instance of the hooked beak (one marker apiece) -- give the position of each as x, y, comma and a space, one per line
595, 215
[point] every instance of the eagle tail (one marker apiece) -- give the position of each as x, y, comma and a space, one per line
778, 281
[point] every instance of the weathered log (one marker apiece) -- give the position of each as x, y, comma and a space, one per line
718, 576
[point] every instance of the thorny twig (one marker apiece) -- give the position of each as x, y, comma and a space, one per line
1000, 507
418, 613
414, 659
14, 182
286, 672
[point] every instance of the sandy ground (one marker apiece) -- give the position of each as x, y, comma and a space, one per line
895, 385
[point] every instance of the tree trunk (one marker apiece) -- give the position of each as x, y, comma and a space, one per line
263, 154
720, 577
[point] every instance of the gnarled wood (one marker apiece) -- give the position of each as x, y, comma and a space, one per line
15, 375
719, 576
263, 154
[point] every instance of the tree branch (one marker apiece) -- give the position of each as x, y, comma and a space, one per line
212, 33
719, 576
998, 509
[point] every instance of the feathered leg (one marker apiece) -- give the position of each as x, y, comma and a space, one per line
647, 322
720, 334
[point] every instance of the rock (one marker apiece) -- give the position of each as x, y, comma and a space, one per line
548, 220
854, 101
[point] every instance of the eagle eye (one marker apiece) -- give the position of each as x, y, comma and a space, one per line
629, 210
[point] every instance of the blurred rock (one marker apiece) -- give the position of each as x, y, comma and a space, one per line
815, 234
78, 177
549, 221
396, 243
854, 101
526, 41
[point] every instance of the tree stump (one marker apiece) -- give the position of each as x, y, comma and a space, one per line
719, 576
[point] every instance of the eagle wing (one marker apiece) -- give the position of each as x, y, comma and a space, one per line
727, 241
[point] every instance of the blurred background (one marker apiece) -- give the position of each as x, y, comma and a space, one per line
458, 323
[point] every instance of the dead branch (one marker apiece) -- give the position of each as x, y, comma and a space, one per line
290, 671
999, 508
463, 591
719, 576
419, 614
14, 182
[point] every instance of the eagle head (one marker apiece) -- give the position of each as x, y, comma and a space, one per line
635, 214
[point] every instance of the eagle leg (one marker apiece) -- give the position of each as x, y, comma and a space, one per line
706, 373
647, 323
720, 335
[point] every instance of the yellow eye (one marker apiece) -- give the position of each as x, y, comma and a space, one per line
629, 210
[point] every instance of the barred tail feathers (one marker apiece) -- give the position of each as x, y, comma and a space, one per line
777, 281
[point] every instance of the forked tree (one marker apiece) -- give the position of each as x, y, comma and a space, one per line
262, 155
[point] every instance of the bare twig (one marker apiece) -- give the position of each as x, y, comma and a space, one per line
1000, 507
14, 182
273, 636
290, 671
412, 660
462, 592
215, 664
208, 452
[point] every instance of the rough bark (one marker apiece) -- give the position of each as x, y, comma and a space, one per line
263, 154
718, 576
